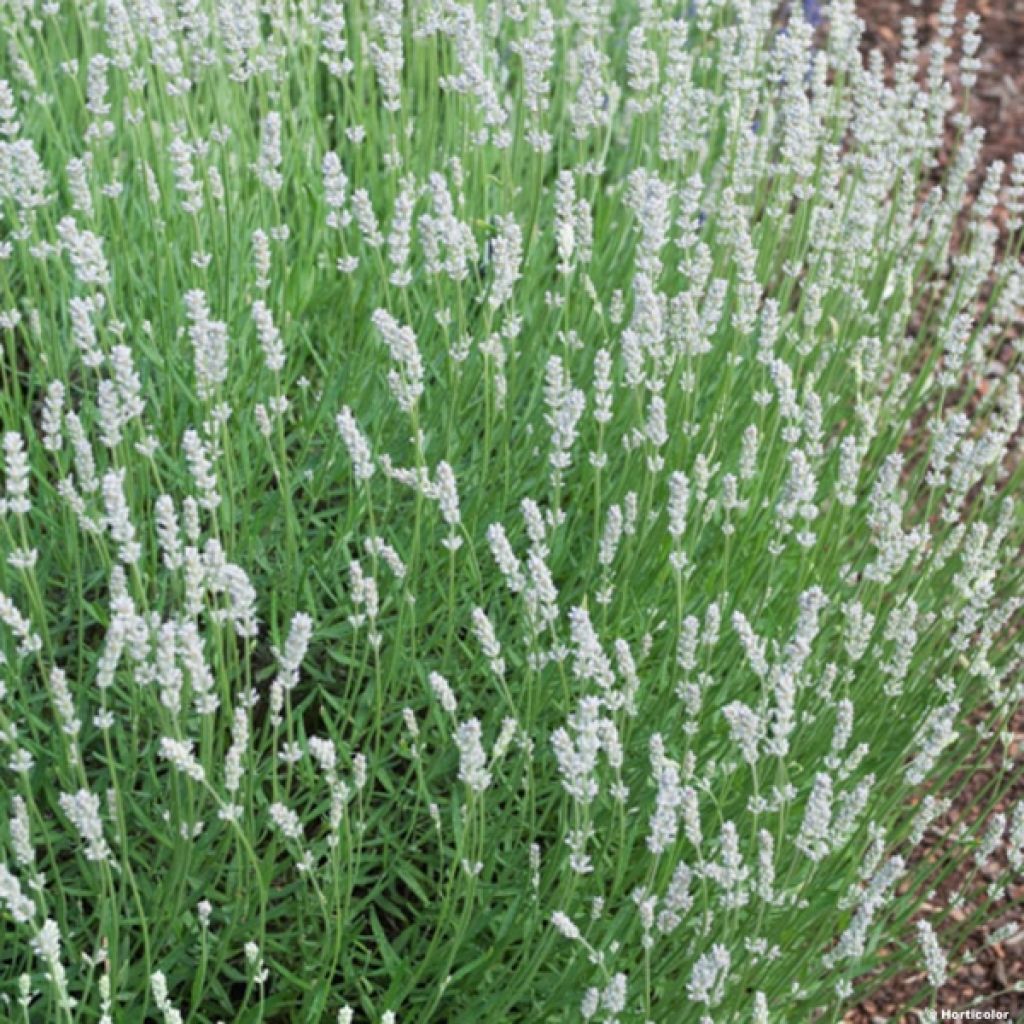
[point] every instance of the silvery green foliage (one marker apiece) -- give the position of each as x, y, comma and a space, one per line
508, 509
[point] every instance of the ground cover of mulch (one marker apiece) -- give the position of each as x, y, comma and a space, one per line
989, 982
993, 969
997, 101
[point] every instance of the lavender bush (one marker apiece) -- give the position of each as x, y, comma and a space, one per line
508, 511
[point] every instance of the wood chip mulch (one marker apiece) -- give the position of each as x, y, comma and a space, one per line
992, 979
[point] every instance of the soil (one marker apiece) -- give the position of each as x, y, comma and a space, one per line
997, 100
992, 978
989, 971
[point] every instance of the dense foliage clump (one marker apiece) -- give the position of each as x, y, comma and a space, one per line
508, 511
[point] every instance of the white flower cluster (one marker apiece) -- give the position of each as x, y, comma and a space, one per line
482, 474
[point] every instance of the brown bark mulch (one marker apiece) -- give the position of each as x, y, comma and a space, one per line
992, 979
997, 100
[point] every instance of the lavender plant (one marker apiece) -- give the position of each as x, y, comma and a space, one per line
508, 511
